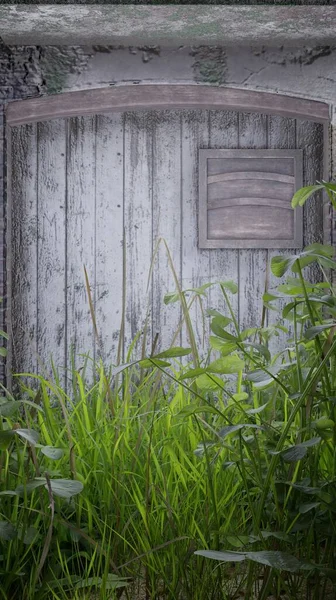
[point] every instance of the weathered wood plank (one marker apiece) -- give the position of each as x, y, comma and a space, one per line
167, 223
309, 136
109, 234
162, 96
252, 263
51, 339
281, 134
24, 250
195, 261
80, 236
223, 262
138, 225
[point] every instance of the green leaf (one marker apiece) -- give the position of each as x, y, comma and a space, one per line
4, 334
194, 409
297, 452
173, 353
226, 365
53, 453
256, 411
217, 329
66, 488
192, 373
150, 363
307, 507
261, 348
29, 435
209, 383
274, 559
30, 486
229, 285
281, 264
222, 556
3, 351
6, 437
304, 193
171, 297
7, 531
225, 348
7, 409
312, 332
260, 378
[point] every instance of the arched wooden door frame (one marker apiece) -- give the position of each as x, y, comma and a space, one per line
149, 97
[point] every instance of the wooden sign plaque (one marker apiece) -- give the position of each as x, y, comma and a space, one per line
245, 199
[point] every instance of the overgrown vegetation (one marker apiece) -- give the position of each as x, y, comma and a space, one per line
141, 477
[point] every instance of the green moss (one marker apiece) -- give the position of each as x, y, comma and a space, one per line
210, 65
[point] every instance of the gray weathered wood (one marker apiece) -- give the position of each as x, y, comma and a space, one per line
80, 248
51, 156
167, 224
252, 263
195, 261
223, 262
138, 226
162, 96
109, 234
309, 136
24, 249
78, 185
281, 134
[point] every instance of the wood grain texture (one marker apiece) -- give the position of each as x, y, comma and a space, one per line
281, 134
80, 236
109, 233
252, 263
167, 224
24, 249
51, 200
195, 261
138, 225
162, 96
223, 262
309, 136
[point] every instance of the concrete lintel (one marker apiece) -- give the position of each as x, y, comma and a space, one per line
166, 25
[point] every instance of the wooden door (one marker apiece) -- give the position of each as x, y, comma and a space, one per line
99, 192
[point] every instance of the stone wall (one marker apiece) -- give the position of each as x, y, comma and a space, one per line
30, 71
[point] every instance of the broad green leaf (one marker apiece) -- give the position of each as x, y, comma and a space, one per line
279, 535
217, 329
238, 541
256, 411
66, 488
261, 348
192, 373
7, 409
193, 409
226, 365
297, 452
312, 332
7, 531
6, 437
53, 453
29, 536
324, 423
171, 297
8, 493
274, 559
260, 378
4, 334
150, 363
224, 347
222, 556
240, 397
307, 507
228, 429
304, 193
30, 486
229, 285
29, 435
281, 264
209, 383
173, 353
3, 351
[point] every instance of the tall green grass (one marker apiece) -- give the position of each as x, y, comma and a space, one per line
139, 478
